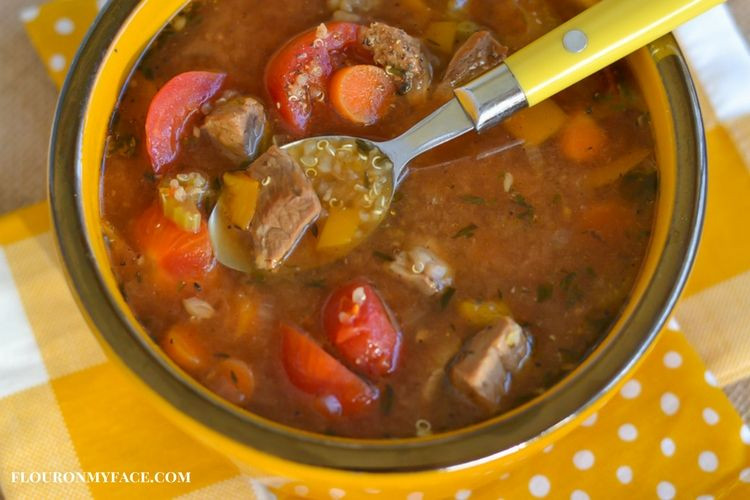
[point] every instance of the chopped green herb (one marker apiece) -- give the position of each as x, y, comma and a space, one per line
544, 292
590, 271
316, 283
472, 199
567, 281
386, 403
600, 320
528, 210
234, 376
383, 256
122, 145
150, 177
499, 294
314, 229
569, 355
221, 355
466, 231
446, 297
363, 145
640, 183
147, 72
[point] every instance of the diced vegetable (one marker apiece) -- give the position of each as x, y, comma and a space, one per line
442, 35
537, 123
464, 29
419, 12
180, 197
298, 74
180, 253
582, 139
241, 193
181, 344
233, 380
609, 173
606, 220
483, 313
359, 325
316, 372
170, 110
361, 93
338, 230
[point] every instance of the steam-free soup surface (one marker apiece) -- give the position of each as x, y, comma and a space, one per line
534, 231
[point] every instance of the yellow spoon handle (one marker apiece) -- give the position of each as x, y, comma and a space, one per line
597, 37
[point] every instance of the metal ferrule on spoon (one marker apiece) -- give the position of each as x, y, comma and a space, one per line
592, 40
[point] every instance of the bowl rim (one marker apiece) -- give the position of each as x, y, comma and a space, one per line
470, 446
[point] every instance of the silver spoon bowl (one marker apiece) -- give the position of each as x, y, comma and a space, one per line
480, 104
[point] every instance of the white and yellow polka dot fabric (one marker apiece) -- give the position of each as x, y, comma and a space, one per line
669, 433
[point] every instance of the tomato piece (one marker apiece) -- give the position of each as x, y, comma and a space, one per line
300, 70
170, 110
358, 324
180, 253
314, 371
233, 380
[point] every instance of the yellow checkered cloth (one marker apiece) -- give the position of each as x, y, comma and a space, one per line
669, 433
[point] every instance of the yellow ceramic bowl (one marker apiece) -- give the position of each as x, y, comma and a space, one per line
437, 465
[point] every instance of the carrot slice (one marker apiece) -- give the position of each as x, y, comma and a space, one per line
582, 139
233, 380
608, 221
181, 344
361, 93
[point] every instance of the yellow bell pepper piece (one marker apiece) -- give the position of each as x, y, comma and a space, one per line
339, 228
537, 123
419, 12
483, 313
241, 198
612, 171
441, 35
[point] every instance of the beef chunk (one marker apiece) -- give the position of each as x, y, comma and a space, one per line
488, 361
237, 126
478, 54
400, 55
286, 207
422, 268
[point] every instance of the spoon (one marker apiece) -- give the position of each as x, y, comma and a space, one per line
595, 38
